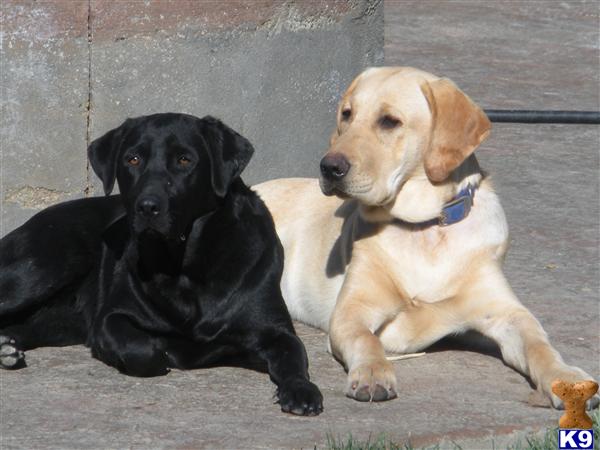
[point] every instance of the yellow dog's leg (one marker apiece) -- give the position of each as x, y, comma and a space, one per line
489, 306
366, 301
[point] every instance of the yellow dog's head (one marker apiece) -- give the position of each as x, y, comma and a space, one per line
395, 123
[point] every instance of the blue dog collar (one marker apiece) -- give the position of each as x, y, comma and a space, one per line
454, 211
458, 208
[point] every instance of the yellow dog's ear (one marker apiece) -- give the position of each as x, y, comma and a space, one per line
458, 126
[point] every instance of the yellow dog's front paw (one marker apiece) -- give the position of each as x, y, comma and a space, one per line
568, 374
374, 382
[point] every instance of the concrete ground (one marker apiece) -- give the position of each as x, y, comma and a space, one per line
504, 54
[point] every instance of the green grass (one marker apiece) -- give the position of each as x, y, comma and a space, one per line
547, 440
379, 443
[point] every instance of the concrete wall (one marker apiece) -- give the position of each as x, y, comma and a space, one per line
73, 69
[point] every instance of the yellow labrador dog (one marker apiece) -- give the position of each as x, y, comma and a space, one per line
407, 245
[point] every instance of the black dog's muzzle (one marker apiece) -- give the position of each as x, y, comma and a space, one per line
151, 212
149, 206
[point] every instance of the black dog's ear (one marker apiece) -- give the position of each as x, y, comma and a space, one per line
103, 154
228, 151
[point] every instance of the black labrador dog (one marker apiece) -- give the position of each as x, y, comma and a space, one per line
181, 270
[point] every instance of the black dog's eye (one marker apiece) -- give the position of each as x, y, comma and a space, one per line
389, 122
183, 160
133, 160
346, 114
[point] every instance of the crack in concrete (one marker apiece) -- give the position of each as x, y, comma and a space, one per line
88, 105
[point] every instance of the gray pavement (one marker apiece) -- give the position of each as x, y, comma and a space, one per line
504, 54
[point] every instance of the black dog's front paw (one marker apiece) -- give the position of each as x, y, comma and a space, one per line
142, 360
300, 397
10, 355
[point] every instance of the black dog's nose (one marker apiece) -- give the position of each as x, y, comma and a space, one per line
334, 167
148, 206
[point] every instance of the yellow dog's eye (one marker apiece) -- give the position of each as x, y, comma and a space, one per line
389, 122
346, 114
133, 160
183, 160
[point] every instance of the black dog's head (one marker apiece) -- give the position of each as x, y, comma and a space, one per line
170, 168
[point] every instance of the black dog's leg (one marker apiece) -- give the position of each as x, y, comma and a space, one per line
42, 265
119, 343
31, 283
48, 254
58, 322
54, 323
288, 367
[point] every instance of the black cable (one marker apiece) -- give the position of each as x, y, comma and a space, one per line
533, 116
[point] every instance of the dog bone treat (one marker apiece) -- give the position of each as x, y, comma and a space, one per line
574, 396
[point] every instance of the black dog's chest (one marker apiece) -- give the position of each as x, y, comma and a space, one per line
170, 290
190, 307
178, 299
